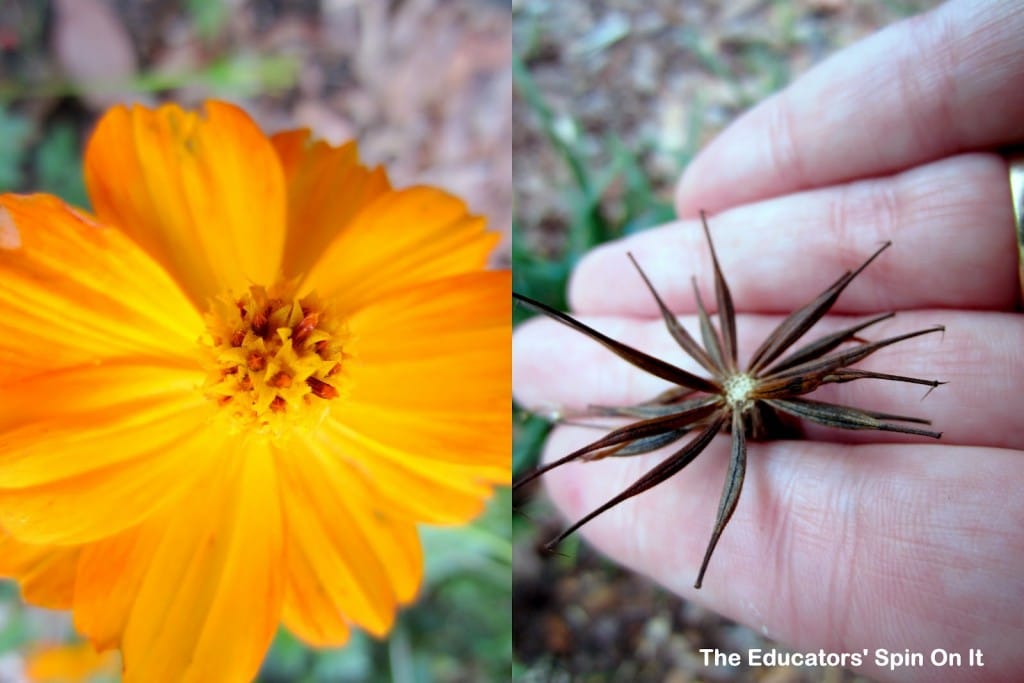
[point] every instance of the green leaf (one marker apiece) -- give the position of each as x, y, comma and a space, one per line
530, 433
14, 134
350, 664
59, 167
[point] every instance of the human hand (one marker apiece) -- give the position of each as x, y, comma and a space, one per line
846, 540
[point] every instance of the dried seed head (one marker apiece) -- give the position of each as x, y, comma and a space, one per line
752, 401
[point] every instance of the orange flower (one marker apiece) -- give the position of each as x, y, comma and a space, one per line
227, 398
72, 663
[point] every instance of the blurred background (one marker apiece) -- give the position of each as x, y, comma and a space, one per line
612, 99
426, 88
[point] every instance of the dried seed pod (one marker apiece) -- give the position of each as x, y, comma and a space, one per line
748, 403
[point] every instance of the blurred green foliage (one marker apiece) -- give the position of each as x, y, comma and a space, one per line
208, 17
14, 133
230, 75
545, 277
46, 160
235, 75
57, 165
12, 628
43, 154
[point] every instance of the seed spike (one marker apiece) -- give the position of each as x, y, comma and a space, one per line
646, 410
819, 368
851, 374
543, 469
932, 388
638, 430
571, 422
726, 312
827, 343
897, 418
843, 417
707, 331
550, 549
639, 447
654, 366
657, 474
730, 492
801, 320
678, 332
673, 395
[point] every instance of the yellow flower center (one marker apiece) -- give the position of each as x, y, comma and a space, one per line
275, 362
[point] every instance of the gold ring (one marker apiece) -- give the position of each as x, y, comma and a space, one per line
1015, 160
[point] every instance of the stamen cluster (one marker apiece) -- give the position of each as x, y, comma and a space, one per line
274, 360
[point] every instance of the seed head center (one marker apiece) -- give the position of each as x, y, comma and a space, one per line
274, 361
738, 389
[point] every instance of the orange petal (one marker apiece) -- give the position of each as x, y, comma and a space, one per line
46, 574
400, 239
327, 188
78, 477
109, 575
75, 662
310, 617
431, 374
209, 599
410, 485
114, 387
203, 194
72, 292
349, 560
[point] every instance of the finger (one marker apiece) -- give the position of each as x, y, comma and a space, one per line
836, 547
935, 85
951, 225
558, 369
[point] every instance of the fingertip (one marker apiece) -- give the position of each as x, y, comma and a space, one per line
584, 292
696, 191
565, 486
602, 278
606, 281
529, 341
